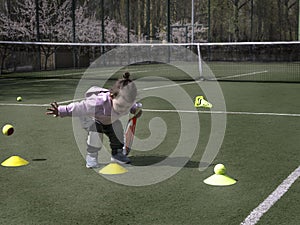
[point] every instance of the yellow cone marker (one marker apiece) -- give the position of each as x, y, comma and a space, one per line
201, 102
113, 168
219, 178
14, 161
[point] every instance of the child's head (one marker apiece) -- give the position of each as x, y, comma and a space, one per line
123, 94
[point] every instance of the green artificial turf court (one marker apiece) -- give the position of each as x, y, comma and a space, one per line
259, 150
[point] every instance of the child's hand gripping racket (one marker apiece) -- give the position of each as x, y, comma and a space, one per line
135, 113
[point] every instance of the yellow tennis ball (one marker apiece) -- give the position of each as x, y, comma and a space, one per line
8, 130
19, 98
220, 169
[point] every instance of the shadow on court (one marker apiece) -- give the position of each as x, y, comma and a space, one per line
171, 161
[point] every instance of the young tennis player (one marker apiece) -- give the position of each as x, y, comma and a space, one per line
99, 113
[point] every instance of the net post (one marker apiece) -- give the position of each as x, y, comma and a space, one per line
200, 62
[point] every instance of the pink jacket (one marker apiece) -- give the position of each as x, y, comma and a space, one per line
97, 105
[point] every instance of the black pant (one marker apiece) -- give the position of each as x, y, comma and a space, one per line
113, 131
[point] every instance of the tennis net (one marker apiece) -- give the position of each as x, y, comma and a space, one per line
239, 61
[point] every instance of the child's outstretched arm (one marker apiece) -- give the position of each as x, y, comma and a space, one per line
84, 108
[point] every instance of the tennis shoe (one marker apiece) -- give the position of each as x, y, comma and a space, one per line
92, 160
120, 158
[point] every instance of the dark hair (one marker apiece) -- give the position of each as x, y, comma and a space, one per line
122, 83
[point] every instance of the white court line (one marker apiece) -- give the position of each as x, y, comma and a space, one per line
39, 105
242, 75
192, 82
25, 105
170, 111
260, 210
28, 82
169, 85
224, 112
69, 101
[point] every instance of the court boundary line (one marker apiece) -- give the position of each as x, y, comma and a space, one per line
242, 75
30, 81
170, 85
263, 207
173, 111
224, 112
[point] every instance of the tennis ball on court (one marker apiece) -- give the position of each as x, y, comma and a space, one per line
220, 169
7, 129
19, 98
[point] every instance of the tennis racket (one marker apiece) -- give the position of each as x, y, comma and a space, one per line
130, 130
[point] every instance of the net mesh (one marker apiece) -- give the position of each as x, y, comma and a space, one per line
269, 62
248, 61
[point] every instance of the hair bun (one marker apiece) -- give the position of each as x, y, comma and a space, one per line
126, 75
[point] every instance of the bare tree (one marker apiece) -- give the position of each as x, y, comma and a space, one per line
288, 6
237, 6
55, 25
